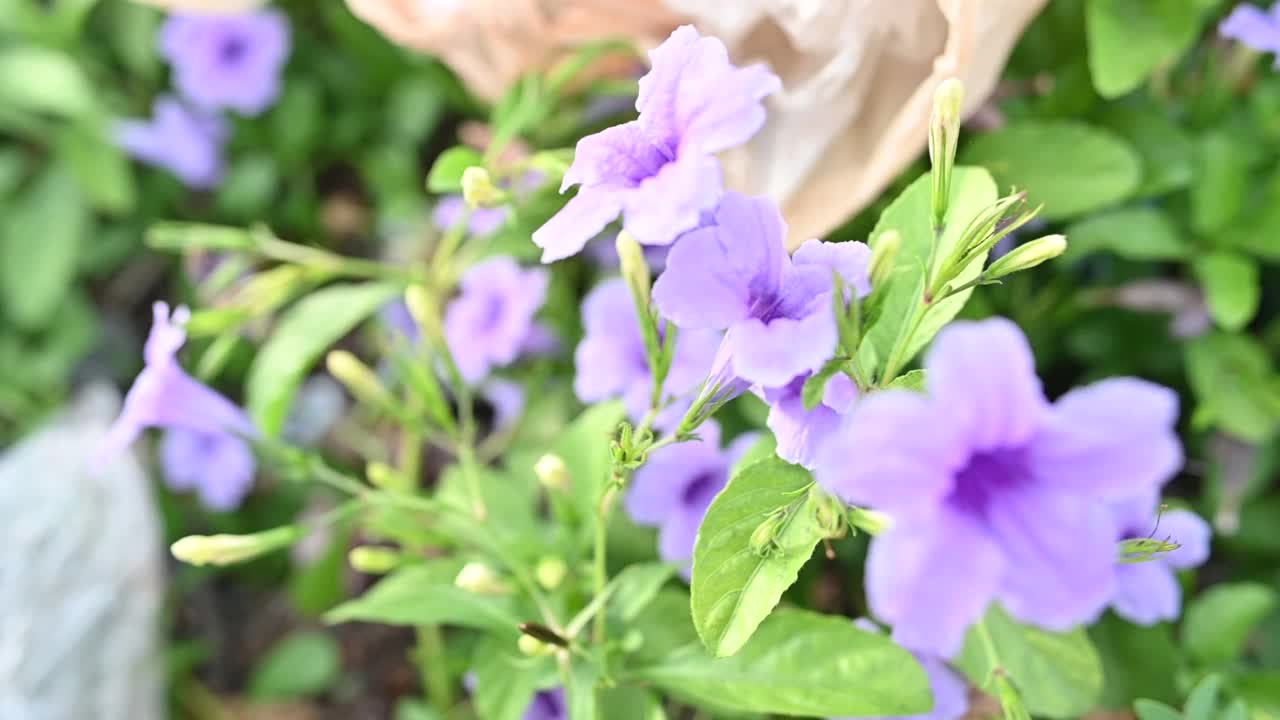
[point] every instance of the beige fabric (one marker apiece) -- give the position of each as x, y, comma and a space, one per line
859, 76
490, 43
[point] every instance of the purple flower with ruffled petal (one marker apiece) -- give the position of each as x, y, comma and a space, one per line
185, 142
994, 493
658, 171
611, 360
490, 321
801, 433
1148, 592
674, 488
227, 61
950, 691
736, 274
205, 448
547, 705
1255, 27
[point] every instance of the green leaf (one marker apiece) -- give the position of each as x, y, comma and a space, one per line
505, 680
1138, 662
636, 586
1128, 39
426, 595
304, 663
304, 332
1233, 380
816, 384
1071, 167
580, 696
249, 187
913, 381
762, 449
584, 447
1166, 149
1058, 675
1219, 620
972, 190
99, 166
41, 80
1152, 710
40, 237
1232, 288
1222, 181
1203, 700
446, 172
627, 702
1135, 233
736, 583
800, 663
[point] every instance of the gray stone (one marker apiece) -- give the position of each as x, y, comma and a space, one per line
81, 575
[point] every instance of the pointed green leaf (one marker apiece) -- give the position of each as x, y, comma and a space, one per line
1232, 288
1219, 620
426, 595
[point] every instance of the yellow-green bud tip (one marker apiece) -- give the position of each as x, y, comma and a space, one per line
883, 254
533, 647
476, 577
1027, 256
373, 560
358, 378
232, 549
550, 572
635, 269
477, 188
552, 472
948, 99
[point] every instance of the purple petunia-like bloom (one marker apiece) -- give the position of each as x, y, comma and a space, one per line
1147, 592
658, 171
994, 493
205, 448
736, 274
227, 61
673, 490
1254, 27
185, 142
547, 705
950, 691
802, 433
611, 361
491, 320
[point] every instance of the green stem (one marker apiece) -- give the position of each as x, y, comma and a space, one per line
277, 249
896, 359
471, 472
601, 574
433, 663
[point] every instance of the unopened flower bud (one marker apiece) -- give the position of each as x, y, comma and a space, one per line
373, 560
764, 540
383, 476
476, 577
533, 647
358, 379
884, 252
944, 135
870, 522
635, 269
478, 189
550, 572
233, 549
1027, 256
423, 311
552, 472
829, 513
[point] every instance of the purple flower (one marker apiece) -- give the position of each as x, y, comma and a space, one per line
507, 398
490, 321
673, 490
482, 223
736, 274
547, 705
658, 171
1147, 592
801, 433
227, 61
950, 691
603, 252
182, 141
995, 494
204, 449
1257, 28
611, 360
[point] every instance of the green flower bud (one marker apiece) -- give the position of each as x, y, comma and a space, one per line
1025, 257
383, 476
552, 473
373, 560
533, 647
884, 252
829, 513
476, 577
359, 380
944, 136
635, 269
423, 310
478, 189
764, 540
870, 522
233, 549
550, 572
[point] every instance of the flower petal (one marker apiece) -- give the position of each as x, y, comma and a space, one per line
1146, 593
581, 219
1192, 534
700, 289
850, 259
1111, 439
617, 157
673, 200
983, 374
771, 354
801, 433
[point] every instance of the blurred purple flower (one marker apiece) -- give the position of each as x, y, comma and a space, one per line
1147, 592
507, 398
603, 251
994, 494
490, 321
205, 449
950, 691
736, 274
227, 61
547, 705
1255, 27
611, 362
482, 223
659, 171
801, 433
673, 490
182, 141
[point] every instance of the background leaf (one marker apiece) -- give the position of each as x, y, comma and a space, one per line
1136, 233
426, 595
1232, 288
40, 238
1128, 39
1234, 381
305, 331
304, 663
735, 587
1219, 620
